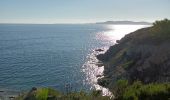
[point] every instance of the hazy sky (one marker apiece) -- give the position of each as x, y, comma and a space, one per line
82, 11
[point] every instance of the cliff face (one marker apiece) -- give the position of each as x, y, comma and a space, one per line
143, 55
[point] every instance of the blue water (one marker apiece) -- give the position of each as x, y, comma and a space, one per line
46, 55
53, 55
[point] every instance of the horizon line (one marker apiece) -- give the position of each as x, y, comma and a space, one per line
75, 23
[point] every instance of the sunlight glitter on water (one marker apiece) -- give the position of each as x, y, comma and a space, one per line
90, 68
92, 71
116, 32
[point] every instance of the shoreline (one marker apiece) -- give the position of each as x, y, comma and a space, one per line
9, 94
94, 71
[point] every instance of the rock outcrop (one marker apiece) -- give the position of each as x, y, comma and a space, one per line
143, 55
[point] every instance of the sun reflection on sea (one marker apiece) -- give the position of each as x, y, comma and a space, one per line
116, 32
92, 71
90, 67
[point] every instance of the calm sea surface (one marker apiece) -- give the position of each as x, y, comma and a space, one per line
54, 55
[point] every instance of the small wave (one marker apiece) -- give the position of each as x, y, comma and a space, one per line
92, 71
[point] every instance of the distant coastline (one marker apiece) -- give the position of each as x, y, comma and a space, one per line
104, 22
125, 23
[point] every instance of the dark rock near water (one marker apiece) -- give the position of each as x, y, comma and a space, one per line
99, 64
6, 94
99, 50
31, 93
99, 76
1, 91
33, 89
103, 82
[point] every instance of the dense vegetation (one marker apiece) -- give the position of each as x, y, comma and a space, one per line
122, 91
51, 94
161, 28
139, 91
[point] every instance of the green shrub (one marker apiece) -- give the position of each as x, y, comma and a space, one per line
155, 91
42, 94
161, 29
51, 94
139, 91
120, 87
96, 93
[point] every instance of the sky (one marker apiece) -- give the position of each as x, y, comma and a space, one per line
82, 11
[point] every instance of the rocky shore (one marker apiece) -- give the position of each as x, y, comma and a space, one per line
143, 55
6, 94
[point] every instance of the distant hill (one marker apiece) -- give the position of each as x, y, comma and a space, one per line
125, 22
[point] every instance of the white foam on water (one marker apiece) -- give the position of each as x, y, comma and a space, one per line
91, 70
90, 67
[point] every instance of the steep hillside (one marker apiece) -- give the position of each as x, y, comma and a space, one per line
143, 55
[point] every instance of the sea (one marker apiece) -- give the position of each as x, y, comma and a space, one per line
60, 56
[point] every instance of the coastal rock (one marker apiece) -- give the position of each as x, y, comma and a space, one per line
99, 50
99, 76
140, 55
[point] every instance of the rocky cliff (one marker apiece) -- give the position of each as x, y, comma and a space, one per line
143, 55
